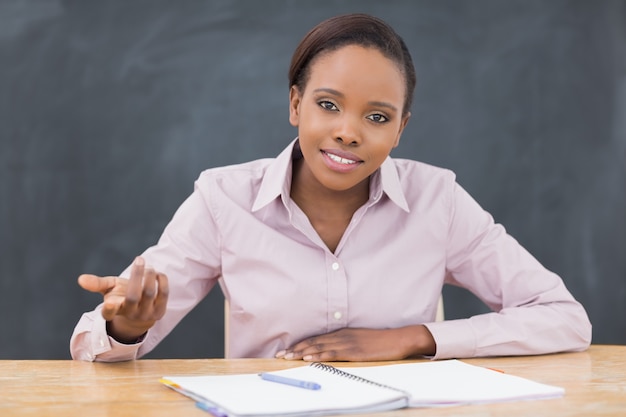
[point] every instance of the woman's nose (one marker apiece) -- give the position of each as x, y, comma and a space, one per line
347, 130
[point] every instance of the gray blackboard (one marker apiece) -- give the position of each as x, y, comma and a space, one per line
110, 109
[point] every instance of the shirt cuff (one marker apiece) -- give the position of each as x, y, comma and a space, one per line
106, 348
454, 339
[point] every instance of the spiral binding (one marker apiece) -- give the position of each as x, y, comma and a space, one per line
344, 374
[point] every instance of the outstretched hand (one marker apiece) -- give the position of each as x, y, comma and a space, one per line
131, 306
351, 344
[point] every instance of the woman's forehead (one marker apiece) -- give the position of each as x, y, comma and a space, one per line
359, 67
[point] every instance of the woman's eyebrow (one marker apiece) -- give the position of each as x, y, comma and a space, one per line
329, 91
383, 104
341, 95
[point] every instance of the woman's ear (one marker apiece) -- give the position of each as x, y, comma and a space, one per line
294, 105
405, 120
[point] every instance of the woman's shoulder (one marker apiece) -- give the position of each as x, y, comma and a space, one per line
245, 171
415, 172
240, 183
424, 185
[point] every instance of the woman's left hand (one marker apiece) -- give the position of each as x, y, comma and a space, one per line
350, 344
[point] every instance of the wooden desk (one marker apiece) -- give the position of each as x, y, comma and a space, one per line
594, 382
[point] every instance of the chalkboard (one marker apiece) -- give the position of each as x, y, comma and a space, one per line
110, 109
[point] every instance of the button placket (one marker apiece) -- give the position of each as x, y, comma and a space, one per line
337, 295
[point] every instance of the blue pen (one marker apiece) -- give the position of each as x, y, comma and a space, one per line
214, 411
290, 381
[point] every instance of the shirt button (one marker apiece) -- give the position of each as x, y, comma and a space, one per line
337, 315
335, 266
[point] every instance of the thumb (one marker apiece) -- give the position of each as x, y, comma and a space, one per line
95, 283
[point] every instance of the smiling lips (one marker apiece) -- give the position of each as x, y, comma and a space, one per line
341, 161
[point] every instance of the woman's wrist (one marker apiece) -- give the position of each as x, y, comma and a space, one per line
124, 332
418, 341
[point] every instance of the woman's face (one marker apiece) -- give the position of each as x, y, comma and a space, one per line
349, 116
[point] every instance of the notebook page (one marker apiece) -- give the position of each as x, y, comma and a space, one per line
249, 395
454, 382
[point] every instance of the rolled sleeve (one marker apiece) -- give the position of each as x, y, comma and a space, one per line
90, 341
454, 339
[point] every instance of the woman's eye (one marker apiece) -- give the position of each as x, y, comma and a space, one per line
378, 118
327, 105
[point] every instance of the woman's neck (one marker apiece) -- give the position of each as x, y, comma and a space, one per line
312, 196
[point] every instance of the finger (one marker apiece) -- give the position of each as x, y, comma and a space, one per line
332, 346
319, 352
316, 353
145, 308
149, 290
160, 303
95, 283
296, 352
326, 356
111, 307
133, 291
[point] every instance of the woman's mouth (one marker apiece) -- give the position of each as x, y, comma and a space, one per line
340, 159
340, 162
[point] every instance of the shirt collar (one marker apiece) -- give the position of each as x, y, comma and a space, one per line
277, 181
390, 182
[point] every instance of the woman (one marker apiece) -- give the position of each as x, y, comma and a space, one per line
334, 250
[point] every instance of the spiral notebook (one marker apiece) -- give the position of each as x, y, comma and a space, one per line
357, 389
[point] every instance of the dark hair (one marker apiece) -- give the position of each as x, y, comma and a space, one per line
352, 29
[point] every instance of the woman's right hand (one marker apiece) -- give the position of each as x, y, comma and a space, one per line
130, 306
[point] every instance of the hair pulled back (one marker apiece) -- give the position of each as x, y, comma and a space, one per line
352, 29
